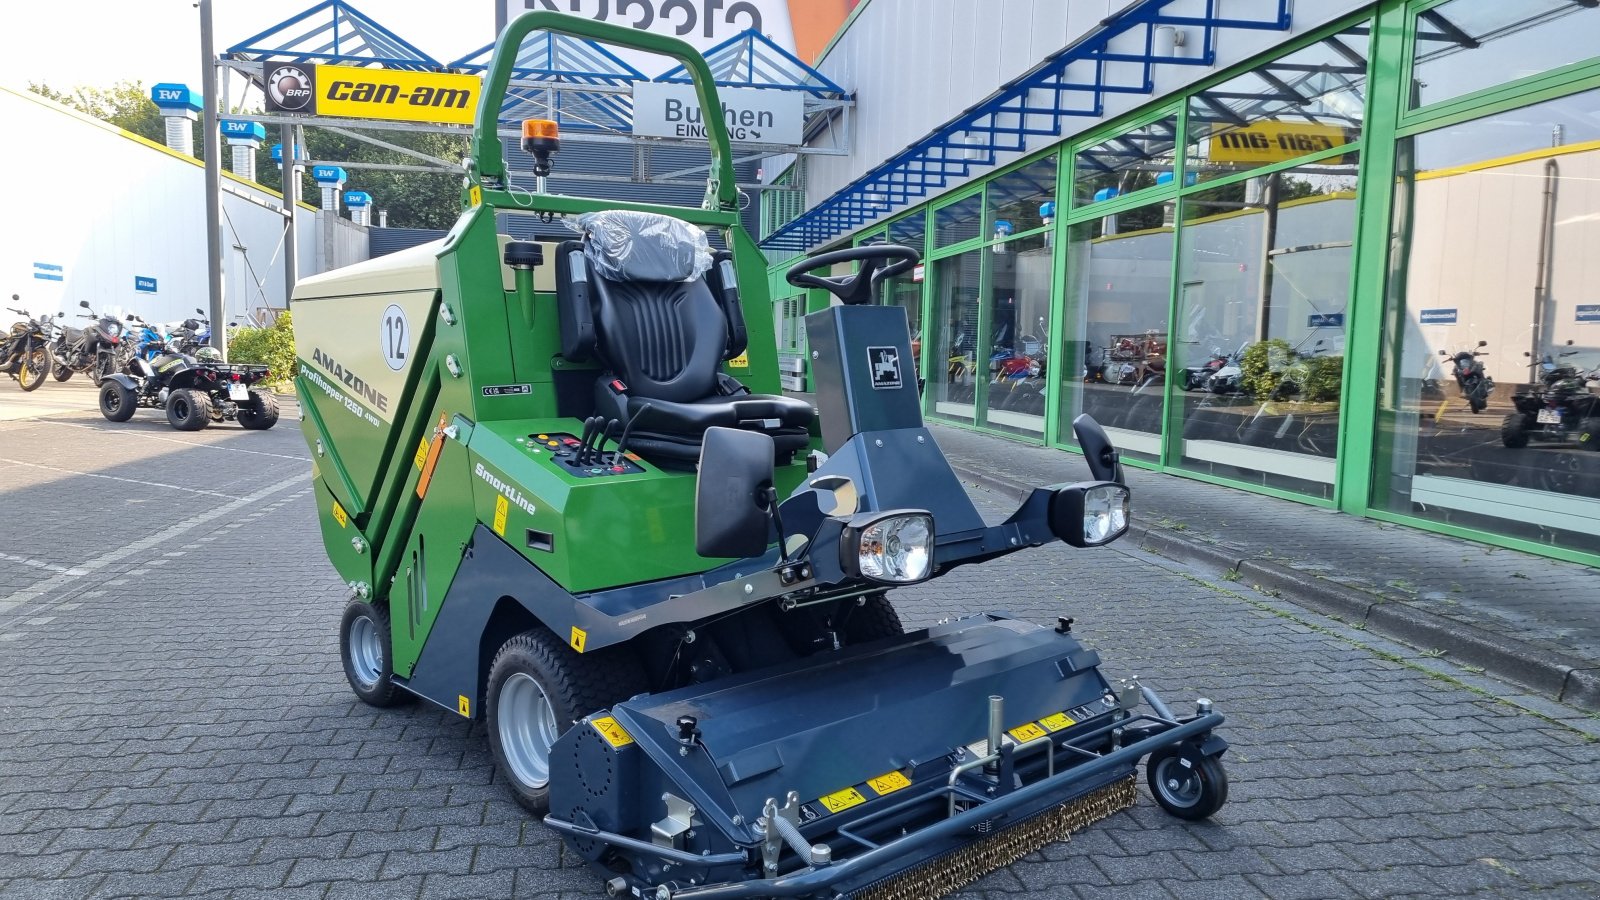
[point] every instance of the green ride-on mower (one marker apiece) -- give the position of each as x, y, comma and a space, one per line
570, 502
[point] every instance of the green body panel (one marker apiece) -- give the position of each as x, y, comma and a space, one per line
354, 566
433, 546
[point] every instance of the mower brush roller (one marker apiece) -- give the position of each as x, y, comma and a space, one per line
570, 501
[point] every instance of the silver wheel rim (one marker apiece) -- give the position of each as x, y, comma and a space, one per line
528, 729
1179, 786
366, 652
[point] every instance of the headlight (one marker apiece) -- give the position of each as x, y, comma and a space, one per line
1090, 514
113, 328
890, 547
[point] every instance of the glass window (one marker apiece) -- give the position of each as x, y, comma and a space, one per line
1138, 159
1019, 315
960, 221
1018, 200
1119, 271
1487, 403
909, 231
1258, 352
1311, 100
905, 291
953, 374
1469, 45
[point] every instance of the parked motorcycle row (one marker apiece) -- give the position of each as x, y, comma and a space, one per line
1017, 370
138, 364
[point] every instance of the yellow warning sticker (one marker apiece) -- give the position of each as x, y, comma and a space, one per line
501, 507
421, 458
475, 195
742, 361
463, 705
1028, 732
612, 731
339, 515
888, 783
1058, 721
839, 801
579, 638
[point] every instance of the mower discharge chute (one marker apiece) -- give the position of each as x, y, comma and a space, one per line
570, 502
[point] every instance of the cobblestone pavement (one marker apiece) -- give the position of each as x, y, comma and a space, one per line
174, 722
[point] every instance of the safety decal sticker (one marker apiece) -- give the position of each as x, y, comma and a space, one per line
612, 731
501, 507
1028, 732
506, 390
339, 515
1058, 721
888, 783
463, 705
421, 457
578, 639
839, 801
742, 361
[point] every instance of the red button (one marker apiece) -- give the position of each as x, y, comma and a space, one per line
619, 468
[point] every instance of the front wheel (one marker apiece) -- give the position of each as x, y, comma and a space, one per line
538, 687
188, 410
367, 653
36, 365
1186, 784
117, 403
260, 413
1514, 430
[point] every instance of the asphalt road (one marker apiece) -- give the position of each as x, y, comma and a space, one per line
174, 722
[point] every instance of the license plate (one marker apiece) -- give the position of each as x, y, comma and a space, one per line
237, 392
1549, 417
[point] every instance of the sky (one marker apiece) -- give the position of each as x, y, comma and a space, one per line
159, 40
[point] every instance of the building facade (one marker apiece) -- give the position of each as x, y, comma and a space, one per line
1349, 260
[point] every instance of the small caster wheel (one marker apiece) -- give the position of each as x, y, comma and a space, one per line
1186, 784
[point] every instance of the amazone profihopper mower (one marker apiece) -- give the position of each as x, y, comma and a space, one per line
570, 502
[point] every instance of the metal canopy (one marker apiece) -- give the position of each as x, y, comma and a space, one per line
1071, 83
751, 59
547, 59
334, 32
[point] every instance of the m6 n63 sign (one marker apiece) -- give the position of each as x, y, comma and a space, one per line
753, 115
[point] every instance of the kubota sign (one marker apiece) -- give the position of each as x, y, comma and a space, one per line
371, 93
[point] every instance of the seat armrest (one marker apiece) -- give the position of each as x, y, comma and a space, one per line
574, 306
724, 286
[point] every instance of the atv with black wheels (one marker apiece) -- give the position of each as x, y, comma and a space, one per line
570, 503
193, 392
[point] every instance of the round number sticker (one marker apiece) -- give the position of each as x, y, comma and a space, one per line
394, 335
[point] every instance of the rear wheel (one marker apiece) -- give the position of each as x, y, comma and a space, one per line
260, 413
538, 687
1514, 430
188, 410
1186, 784
117, 403
36, 365
367, 653
62, 372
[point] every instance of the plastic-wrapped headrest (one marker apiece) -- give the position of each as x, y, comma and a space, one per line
623, 245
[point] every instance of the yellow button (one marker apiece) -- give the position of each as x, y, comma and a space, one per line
544, 437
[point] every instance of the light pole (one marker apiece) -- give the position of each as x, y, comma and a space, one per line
213, 152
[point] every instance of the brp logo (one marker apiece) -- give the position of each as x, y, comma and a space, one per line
290, 88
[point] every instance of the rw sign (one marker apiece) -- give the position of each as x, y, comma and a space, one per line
753, 116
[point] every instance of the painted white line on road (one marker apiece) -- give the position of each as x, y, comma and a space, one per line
138, 481
36, 563
155, 437
165, 537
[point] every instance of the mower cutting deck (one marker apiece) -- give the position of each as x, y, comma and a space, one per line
570, 502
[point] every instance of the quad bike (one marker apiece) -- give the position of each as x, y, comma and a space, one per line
193, 392
1559, 408
569, 504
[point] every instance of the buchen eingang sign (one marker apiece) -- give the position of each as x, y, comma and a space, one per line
753, 116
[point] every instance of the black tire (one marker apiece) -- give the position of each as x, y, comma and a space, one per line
873, 620
36, 365
260, 413
1514, 430
1186, 784
367, 652
575, 684
62, 373
188, 410
117, 403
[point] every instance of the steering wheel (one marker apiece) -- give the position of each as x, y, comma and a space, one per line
860, 286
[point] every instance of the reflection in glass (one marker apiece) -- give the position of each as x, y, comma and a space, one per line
1017, 199
1140, 158
960, 221
1019, 316
1308, 101
1264, 284
953, 374
1119, 271
1470, 45
905, 290
1495, 265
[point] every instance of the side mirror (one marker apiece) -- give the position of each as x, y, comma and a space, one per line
83, 303
199, 310
732, 493
1569, 342
1483, 343
1524, 353
1098, 450
1442, 353
15, 298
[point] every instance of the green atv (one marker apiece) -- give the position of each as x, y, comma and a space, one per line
570, 502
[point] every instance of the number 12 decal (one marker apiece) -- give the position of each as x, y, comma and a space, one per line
394, 336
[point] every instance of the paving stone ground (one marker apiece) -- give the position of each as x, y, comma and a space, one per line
174, 722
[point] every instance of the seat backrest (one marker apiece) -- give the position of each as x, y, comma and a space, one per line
664, 338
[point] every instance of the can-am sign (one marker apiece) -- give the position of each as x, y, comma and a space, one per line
753, 116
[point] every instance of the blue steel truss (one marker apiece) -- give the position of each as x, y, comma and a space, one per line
562, 59
334, 32
1071, 83
751, 59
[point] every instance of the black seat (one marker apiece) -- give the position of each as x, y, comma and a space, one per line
643, 293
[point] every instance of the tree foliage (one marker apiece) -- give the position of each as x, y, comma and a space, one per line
125, 104
413, 199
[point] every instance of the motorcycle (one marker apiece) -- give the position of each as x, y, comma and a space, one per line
143, 340
92, 349
193, 393
25, 350
1560, 407
1196, 378
1474, 383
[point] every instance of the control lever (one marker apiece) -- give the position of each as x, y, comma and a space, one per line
590, 426
622, 444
